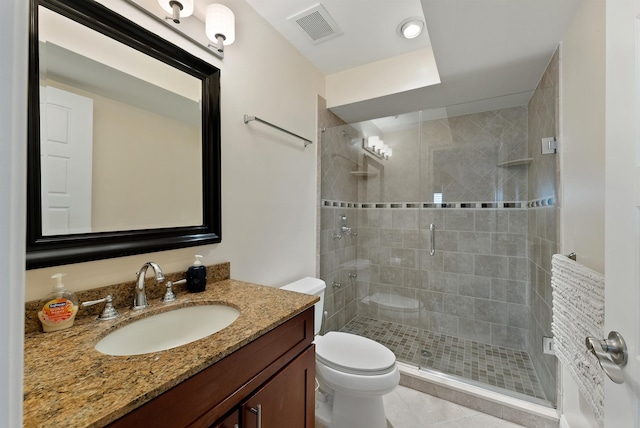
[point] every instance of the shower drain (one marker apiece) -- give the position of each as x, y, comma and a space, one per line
426, 353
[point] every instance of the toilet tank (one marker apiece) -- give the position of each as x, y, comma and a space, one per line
315, 287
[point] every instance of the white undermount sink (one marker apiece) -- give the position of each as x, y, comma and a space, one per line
168, 330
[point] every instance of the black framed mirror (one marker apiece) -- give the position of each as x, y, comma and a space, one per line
123, 139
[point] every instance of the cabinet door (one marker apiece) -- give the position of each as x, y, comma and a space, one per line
231, 421
287, 400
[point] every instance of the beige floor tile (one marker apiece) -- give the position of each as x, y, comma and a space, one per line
408, 408
479, 420
430, 410
398, 413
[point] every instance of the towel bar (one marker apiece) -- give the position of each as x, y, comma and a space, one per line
248, 119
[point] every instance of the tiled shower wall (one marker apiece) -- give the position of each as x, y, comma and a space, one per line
456, 157
542, 232
476, 284
473, 287
460, 157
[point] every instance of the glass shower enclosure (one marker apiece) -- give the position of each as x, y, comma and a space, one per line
428, 251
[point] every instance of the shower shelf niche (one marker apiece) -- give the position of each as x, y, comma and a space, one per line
363, 173
515, 162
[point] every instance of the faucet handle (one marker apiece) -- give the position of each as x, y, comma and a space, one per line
169, 295
109, 312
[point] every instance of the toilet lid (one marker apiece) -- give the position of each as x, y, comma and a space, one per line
354, 354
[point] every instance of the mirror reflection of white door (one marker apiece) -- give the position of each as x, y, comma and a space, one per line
66, 126
622, 208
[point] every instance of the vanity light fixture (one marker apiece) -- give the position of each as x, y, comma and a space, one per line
177, 9
372, 142
220, 25
411, 28
386, 151
376, 147
211, 31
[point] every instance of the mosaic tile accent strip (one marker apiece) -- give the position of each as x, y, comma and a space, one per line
542, 202
429, 205
494, 365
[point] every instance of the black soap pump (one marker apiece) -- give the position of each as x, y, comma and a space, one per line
197, 276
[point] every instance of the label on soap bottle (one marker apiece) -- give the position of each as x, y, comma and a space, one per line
57, 310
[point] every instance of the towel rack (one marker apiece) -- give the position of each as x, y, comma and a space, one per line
248, 119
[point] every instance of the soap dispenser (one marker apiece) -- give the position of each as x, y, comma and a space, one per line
59, 308
197, 276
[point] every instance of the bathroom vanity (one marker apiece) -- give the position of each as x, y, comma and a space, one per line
261, 367
271, 379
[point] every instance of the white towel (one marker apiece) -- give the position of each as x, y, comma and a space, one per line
578, 312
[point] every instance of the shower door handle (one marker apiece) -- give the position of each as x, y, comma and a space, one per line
432, 230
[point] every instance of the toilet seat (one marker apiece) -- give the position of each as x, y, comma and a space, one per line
353, 354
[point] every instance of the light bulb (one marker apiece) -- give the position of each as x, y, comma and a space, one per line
411, 28
220, 23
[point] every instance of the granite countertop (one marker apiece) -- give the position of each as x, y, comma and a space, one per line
67, 383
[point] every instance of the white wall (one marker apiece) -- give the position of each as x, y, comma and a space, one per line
582, 145
582, 197
66, 33
268, 179
402, 73
13, 135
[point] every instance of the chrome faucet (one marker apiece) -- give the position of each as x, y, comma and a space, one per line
140, 299
344, 229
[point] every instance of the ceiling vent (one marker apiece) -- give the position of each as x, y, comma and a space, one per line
317, 24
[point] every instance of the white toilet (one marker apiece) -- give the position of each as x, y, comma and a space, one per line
353, 372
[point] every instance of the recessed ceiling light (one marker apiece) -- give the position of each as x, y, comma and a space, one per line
411, 28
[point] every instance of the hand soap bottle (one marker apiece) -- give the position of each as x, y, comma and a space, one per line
197, 276
59, 308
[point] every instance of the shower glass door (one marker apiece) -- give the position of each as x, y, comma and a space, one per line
475, 296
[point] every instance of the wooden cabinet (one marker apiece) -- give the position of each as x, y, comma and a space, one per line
231, 421
285, 401
275, 371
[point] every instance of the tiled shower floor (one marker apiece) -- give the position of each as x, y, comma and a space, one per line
501, 367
